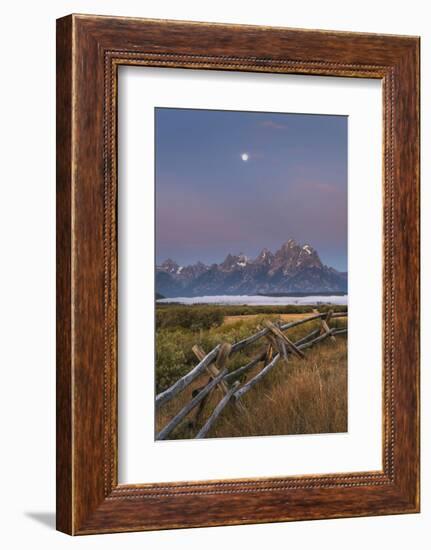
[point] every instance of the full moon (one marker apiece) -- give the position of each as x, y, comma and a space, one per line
244, 157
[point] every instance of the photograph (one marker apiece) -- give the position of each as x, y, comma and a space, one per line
213, 320
251, 273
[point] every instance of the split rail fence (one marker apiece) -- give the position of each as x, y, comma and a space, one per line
278, 346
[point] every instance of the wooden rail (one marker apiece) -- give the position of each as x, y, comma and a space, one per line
190, 406
187, 379
279, 346
244, 389
216, 412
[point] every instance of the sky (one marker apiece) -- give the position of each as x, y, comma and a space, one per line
236, 182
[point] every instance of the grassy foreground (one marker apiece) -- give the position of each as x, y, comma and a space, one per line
298, 397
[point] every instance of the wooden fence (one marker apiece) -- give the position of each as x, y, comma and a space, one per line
278, 346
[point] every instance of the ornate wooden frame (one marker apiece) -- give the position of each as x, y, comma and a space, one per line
89, 51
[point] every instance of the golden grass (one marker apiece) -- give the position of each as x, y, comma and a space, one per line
229, 319
298, 397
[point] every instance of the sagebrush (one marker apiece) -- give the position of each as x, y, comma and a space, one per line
302, 396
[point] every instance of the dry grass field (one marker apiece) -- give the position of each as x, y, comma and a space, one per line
299, 396
285, 317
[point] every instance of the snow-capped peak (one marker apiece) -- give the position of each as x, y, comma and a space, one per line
169, 265
242, 260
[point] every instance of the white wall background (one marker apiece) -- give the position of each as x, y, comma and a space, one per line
27, 297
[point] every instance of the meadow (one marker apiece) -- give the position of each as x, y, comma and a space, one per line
297, 397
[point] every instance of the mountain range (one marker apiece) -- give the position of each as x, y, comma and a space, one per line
292, 268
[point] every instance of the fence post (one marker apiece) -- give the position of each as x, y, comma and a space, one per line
214, 369
325, 325
278, 334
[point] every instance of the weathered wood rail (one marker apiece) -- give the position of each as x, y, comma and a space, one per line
278, 346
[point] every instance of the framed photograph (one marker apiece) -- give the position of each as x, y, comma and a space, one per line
237, 274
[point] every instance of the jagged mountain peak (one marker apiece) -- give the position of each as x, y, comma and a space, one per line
229, 262
293, 267
169, 265
265, 256
234, 261
291, 257
287, 248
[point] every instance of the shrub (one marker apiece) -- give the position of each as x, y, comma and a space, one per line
171, 361
201, 318
180, 327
